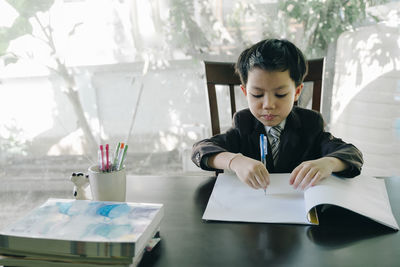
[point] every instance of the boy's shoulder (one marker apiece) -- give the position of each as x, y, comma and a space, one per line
304, 112
305, 118
244, 113
245, 121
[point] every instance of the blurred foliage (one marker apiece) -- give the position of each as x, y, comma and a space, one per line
324, 20
21, 26
237, 18
195, 29
29, 14
14, 143
183, 32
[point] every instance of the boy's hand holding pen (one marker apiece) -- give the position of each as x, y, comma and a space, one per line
250, 171
104, 161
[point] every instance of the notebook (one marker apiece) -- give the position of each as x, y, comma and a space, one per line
232, 200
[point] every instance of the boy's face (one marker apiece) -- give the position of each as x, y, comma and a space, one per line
270, 95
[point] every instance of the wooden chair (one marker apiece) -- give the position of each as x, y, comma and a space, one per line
223, 73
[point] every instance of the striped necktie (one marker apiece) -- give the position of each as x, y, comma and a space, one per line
275, 132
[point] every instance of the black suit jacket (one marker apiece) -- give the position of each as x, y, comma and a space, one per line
302, 139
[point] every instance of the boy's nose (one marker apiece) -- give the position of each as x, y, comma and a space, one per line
268, 103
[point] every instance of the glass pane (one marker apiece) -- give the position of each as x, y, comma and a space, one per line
131, 72
305, 99
365, 103
224, 106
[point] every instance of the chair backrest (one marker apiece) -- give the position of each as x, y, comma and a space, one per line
223, 73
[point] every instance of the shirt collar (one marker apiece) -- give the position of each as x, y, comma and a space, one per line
281, 124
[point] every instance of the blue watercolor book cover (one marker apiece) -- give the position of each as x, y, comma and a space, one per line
87, 228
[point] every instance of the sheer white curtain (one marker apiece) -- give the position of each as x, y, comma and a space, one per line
77, 74
365, 97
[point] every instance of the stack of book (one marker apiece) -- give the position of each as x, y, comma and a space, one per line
68, 232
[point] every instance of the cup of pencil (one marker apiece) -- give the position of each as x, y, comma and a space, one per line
107, 179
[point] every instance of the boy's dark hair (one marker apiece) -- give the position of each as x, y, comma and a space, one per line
273, 55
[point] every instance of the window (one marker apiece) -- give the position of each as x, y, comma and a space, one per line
76, 74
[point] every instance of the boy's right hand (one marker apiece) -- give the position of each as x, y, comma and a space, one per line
251, 172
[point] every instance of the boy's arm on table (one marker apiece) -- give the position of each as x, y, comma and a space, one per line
230, 141
215, 154
222, 151
343, 160
337, 157
204, 149
249, 171
310, 172
349, 157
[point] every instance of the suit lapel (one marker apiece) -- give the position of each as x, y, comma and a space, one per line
289, 139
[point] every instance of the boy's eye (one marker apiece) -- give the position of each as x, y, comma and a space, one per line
280, 95
256, 96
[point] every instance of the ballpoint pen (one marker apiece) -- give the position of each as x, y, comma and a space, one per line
121, 161
264, 151
116, 153
99, 158
120, 155
107, 161
102, 157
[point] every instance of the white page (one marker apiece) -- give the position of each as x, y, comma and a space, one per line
232, 200
362, 194
279, 184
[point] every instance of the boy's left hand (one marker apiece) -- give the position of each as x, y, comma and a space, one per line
309, 173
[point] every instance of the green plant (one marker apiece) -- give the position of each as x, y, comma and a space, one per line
14, 143
323, 21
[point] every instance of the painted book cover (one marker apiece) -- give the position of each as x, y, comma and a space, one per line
76, 228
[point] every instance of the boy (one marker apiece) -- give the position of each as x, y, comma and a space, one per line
272, 73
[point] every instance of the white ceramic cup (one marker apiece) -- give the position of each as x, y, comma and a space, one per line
107, 186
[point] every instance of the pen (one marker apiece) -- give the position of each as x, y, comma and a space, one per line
99, 158
123, 157
102, 157
120, 152
107, 164
263, 151
116, 153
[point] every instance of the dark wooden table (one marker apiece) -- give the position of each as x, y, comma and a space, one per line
342, 238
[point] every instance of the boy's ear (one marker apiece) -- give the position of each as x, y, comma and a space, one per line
243, 89
298, 91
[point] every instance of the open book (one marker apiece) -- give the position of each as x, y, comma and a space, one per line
232, 200
88, 232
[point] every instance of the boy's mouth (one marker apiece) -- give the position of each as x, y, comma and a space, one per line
268, 117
